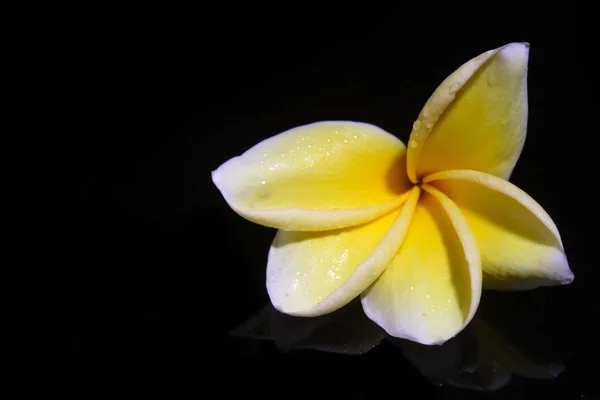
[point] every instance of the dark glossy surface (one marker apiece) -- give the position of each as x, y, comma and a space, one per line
157, 262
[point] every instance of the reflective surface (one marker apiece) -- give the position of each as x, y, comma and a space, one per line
156, 262
505, 339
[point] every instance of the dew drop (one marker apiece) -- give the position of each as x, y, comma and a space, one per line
417, 125
414, 144
429, 125
454, 87
262, 192
345, 141
426, 112
412, 288
427, 296
263, 182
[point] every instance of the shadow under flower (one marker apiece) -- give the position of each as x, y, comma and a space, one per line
501, 341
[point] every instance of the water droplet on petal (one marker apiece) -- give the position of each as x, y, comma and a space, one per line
417, 125
261, 191
426, 112
454, 87
414, 144
429, 125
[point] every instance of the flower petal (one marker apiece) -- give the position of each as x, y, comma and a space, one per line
520, 245
476, 119
325, 175
431, 289
314, 273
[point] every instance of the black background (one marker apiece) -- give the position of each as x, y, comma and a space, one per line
155, 260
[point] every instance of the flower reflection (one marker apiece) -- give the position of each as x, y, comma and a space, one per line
345, 331
502, 340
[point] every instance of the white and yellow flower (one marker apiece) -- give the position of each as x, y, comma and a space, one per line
416, 232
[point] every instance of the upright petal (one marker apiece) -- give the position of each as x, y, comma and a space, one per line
476, 119
314, 273
325, 175
431, 289
519, 244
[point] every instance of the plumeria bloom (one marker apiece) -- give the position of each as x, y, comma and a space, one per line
415, 230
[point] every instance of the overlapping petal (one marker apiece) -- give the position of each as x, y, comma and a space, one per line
321, 176
519, 243
431, 289
476, 119
313, 273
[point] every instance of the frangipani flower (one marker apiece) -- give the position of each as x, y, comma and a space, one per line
415, 231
